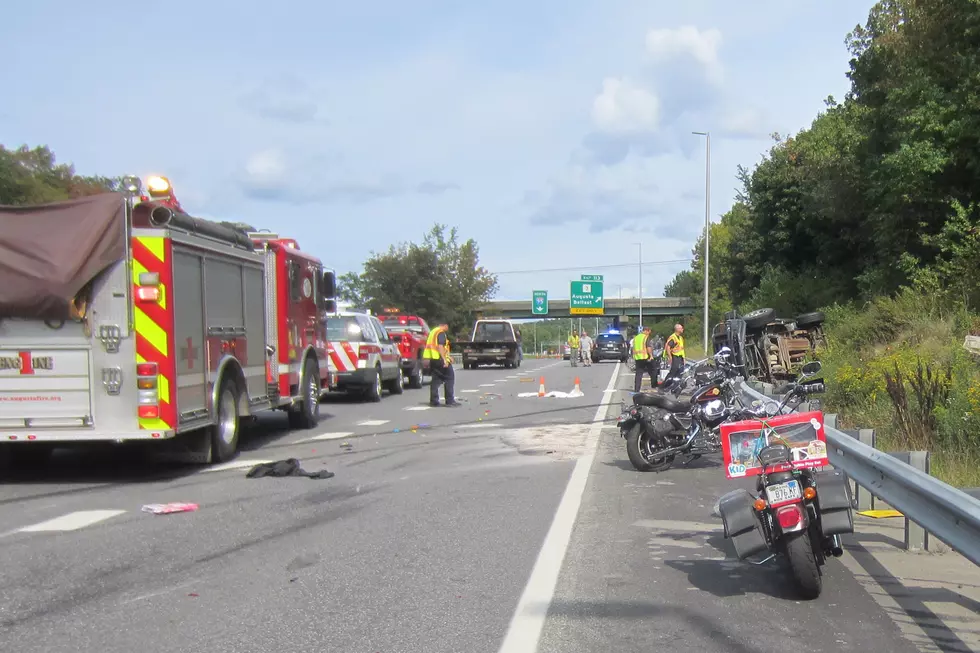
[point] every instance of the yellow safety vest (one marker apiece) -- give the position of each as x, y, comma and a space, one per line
679, 350
640, 347
431, 350
573, 342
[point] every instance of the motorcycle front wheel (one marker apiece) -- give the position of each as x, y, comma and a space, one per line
642, 451
803, 564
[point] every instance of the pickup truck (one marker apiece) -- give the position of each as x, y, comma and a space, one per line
410, 333
494, 342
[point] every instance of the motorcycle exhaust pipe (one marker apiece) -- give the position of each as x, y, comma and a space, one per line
161, 216
836, 548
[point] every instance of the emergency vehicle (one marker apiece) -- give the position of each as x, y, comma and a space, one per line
123, 318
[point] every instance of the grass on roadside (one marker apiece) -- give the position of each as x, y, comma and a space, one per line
897, 365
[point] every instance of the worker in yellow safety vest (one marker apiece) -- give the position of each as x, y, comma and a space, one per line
573, 347
674, 351
440, 362
643, 357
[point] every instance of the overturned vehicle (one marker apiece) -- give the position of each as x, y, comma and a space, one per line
768, 348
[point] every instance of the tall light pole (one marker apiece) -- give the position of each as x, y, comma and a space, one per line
707, 224
639, 269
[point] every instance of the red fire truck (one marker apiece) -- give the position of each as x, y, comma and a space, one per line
123, 318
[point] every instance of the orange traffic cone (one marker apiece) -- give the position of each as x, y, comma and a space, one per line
541, 390
577, 388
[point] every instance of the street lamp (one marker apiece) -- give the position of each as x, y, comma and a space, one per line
639, 266
707, 224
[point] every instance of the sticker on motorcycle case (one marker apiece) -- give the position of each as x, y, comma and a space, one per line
816, 449
815, 424
736, 470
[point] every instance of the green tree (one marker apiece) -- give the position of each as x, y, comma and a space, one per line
32, 176
440, 279
350, 288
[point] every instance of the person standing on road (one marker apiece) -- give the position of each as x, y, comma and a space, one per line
573, 348
585, 342
674, 350
642, 356
440, 365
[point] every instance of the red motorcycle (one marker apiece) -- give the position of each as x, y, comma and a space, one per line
799, 510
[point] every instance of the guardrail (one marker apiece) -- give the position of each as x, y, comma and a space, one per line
949, 514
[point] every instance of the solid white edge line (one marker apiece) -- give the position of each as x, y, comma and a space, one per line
528, 621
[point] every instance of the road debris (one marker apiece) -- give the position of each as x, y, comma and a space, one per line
168, 508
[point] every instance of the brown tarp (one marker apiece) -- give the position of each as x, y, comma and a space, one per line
48, 253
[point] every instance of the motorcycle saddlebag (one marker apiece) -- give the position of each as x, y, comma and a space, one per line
834, 501
742, 524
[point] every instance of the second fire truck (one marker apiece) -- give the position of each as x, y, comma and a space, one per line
123, 318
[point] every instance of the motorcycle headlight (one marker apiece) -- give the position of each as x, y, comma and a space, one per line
714, 409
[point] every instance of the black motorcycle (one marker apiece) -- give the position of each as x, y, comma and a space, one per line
796, 513
658, 428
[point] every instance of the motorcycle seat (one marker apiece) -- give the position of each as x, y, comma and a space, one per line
660, 401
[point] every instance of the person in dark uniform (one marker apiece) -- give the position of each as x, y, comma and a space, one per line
440, 365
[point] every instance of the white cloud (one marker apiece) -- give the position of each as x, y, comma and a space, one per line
294, 178
625, 107
702, 46
284, 99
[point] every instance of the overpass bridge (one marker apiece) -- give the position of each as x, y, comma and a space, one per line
652, 307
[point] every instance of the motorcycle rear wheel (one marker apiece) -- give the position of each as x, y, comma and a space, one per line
642, 451
803, 564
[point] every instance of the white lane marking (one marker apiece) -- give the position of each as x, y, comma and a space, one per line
328, 436
487, 385
481, 425
235, 464
373, 422
72, 521
525, 627
419, 408
467, 391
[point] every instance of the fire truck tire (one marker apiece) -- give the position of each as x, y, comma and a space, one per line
308, 415
415, 378
374, 391
397, 385
225, 431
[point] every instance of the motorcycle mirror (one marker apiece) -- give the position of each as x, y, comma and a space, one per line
812, 368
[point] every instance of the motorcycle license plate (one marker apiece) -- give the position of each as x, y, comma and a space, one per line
783, 492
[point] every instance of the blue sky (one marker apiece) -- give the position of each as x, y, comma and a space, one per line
555, 133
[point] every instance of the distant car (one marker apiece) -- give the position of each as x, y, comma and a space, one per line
609, 346
363, 355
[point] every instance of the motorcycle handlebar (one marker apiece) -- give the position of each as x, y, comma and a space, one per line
813, 388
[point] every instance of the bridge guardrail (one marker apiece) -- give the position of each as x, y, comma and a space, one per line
949, 514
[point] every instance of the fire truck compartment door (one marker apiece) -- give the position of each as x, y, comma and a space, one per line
45, 387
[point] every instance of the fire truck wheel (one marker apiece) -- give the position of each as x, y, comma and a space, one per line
224, 433
395, 386
374, 391
308, 416
415, 378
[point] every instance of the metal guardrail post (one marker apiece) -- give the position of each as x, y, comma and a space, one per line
916, 537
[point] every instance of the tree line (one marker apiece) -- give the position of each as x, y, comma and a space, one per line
880, 193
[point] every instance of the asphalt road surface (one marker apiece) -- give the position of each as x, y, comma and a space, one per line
444, 529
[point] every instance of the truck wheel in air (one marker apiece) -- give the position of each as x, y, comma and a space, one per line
308, 415
395, 386
415, 378
759, 318
374, 391
803, 564
225, 430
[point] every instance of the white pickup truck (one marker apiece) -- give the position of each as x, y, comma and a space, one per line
494, 342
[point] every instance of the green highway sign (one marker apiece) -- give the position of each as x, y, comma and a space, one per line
592, 277
539, 302
586, 298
